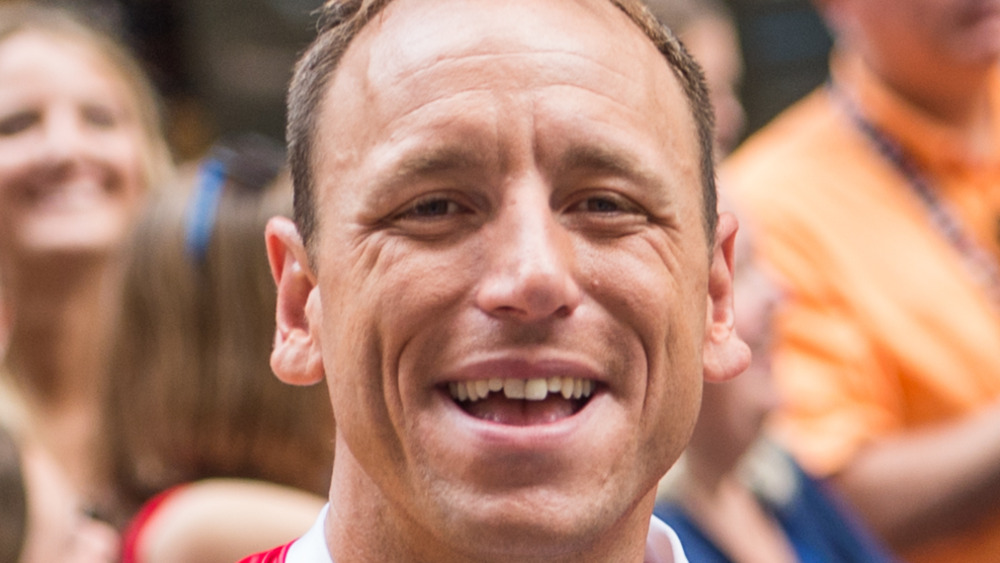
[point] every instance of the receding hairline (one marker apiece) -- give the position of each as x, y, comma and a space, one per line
308, 94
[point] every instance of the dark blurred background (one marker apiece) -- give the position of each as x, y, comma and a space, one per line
223, 65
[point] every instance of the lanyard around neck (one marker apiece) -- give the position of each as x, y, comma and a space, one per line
978, 261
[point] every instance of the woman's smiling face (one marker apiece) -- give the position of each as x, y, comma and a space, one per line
71, 177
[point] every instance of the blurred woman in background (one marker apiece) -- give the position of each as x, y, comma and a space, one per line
80, 148
211, 456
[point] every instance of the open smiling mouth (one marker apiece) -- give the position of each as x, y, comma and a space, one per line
522, 402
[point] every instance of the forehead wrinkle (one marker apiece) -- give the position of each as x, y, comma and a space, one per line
481, 60
600, 29
482, 78
487, 71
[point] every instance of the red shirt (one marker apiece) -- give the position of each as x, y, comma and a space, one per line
276, 555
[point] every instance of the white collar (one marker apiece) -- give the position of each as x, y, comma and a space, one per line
662, 544
311, 547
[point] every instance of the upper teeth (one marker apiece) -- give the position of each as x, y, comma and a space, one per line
530, 389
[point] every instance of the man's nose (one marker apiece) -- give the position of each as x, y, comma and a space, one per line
530, 262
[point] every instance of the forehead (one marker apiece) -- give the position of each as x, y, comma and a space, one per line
421, 54
34, 58
410, 34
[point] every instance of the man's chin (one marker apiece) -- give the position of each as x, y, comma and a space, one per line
548, 485
530, 522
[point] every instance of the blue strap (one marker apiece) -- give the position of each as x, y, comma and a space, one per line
203, 207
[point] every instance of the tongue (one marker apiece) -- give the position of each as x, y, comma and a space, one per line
518, 412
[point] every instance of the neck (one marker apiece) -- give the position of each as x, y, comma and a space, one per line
706, 469
55, 330
57, 314
705, 485
727, 511
57, 310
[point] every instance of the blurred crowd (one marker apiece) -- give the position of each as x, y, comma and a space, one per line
140, 420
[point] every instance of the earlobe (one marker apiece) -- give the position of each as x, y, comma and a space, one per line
296, 356
725, 354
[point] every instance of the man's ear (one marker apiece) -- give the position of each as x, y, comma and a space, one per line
725, 355
296, 357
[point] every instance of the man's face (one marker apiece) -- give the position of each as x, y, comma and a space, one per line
509, 203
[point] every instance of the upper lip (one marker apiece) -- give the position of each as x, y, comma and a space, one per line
517, 366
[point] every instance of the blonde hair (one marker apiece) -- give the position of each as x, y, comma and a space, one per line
23, 17
190, 391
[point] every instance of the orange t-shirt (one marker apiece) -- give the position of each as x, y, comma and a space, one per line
885, 329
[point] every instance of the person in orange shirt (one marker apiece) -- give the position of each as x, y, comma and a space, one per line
878, 198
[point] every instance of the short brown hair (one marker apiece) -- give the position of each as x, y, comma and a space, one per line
340, 22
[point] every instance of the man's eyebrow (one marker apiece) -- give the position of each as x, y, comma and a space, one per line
420, 163
433, 161
605, 159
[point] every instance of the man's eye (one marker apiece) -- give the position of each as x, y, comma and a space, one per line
431, 208
18, 122
434, 207
601, 205
604, 204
